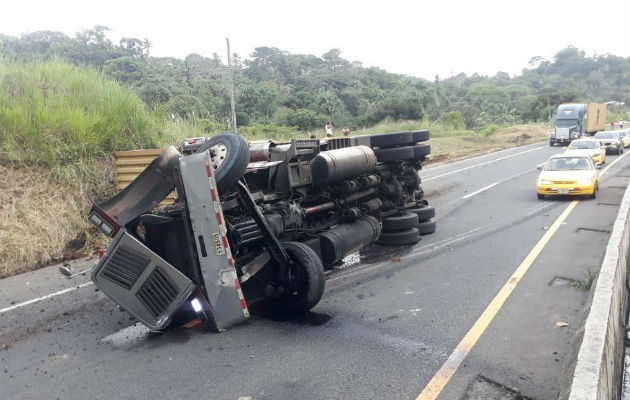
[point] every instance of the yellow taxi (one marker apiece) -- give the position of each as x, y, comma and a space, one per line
568, 175
625, 137
587, 147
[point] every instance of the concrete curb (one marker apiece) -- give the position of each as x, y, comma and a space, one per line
599, 367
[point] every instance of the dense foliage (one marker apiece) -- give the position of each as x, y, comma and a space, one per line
274, 87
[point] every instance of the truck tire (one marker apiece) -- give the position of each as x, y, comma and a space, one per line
230, 159
421, 150
308, 286
551, 143
420, 136
423, 213
409, 236
394, 154
426, 227
389, 140
401, 222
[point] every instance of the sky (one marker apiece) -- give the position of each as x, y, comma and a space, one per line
417, 38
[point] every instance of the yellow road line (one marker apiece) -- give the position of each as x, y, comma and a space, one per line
603, 171
448, 369
450, 366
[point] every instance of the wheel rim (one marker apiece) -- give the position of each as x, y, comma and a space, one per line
218, 153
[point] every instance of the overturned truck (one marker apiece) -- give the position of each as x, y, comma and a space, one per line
255, 223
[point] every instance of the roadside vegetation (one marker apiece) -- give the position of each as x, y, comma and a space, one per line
66, 104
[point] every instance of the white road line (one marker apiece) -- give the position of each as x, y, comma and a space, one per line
48, 296
483, 163
483, 189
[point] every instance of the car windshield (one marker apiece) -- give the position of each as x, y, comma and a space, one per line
623, 134
568, 164
606, 135
584, 145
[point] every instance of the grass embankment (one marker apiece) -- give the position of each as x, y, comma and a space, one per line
60, 124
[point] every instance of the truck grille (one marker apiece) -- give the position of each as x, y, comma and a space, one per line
125, 267
140, 281
157, 292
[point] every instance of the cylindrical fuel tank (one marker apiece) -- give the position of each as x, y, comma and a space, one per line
334, 166
348, 238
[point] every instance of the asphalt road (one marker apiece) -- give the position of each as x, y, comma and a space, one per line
388, 321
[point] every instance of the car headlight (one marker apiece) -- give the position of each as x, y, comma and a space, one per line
544, 182
584, 181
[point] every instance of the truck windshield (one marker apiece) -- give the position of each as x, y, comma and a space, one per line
566, 123
584, 145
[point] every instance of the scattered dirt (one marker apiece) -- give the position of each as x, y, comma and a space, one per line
40, 221
444, 149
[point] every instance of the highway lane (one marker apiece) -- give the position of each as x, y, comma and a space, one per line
384, 327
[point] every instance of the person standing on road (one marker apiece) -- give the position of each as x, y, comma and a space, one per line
612, 125
329, 129
345, 130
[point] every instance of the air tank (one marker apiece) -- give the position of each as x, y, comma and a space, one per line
332, 166
348, 238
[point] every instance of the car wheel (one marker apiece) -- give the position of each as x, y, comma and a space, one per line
426, 227
540, 196
420, 136
308, 280
409, 236
423, 213
230, 156
394, 154
621, 149
400, 222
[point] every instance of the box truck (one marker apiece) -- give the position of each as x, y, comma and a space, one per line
576, 120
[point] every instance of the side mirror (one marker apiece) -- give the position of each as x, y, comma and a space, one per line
539, 167
598, 166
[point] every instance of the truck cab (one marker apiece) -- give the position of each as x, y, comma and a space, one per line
570, 123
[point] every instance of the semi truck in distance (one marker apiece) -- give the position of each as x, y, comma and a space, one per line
576, 120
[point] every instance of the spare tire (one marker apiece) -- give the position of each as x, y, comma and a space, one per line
420, 136
401, 222
409, 236
394, 154
230, 156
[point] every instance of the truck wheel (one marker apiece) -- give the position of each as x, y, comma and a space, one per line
551, 143
230, 155
421, 150
307, 284
400, 222
426, 227
420, 136
423, 213
388, 140
394, 154
409, 236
